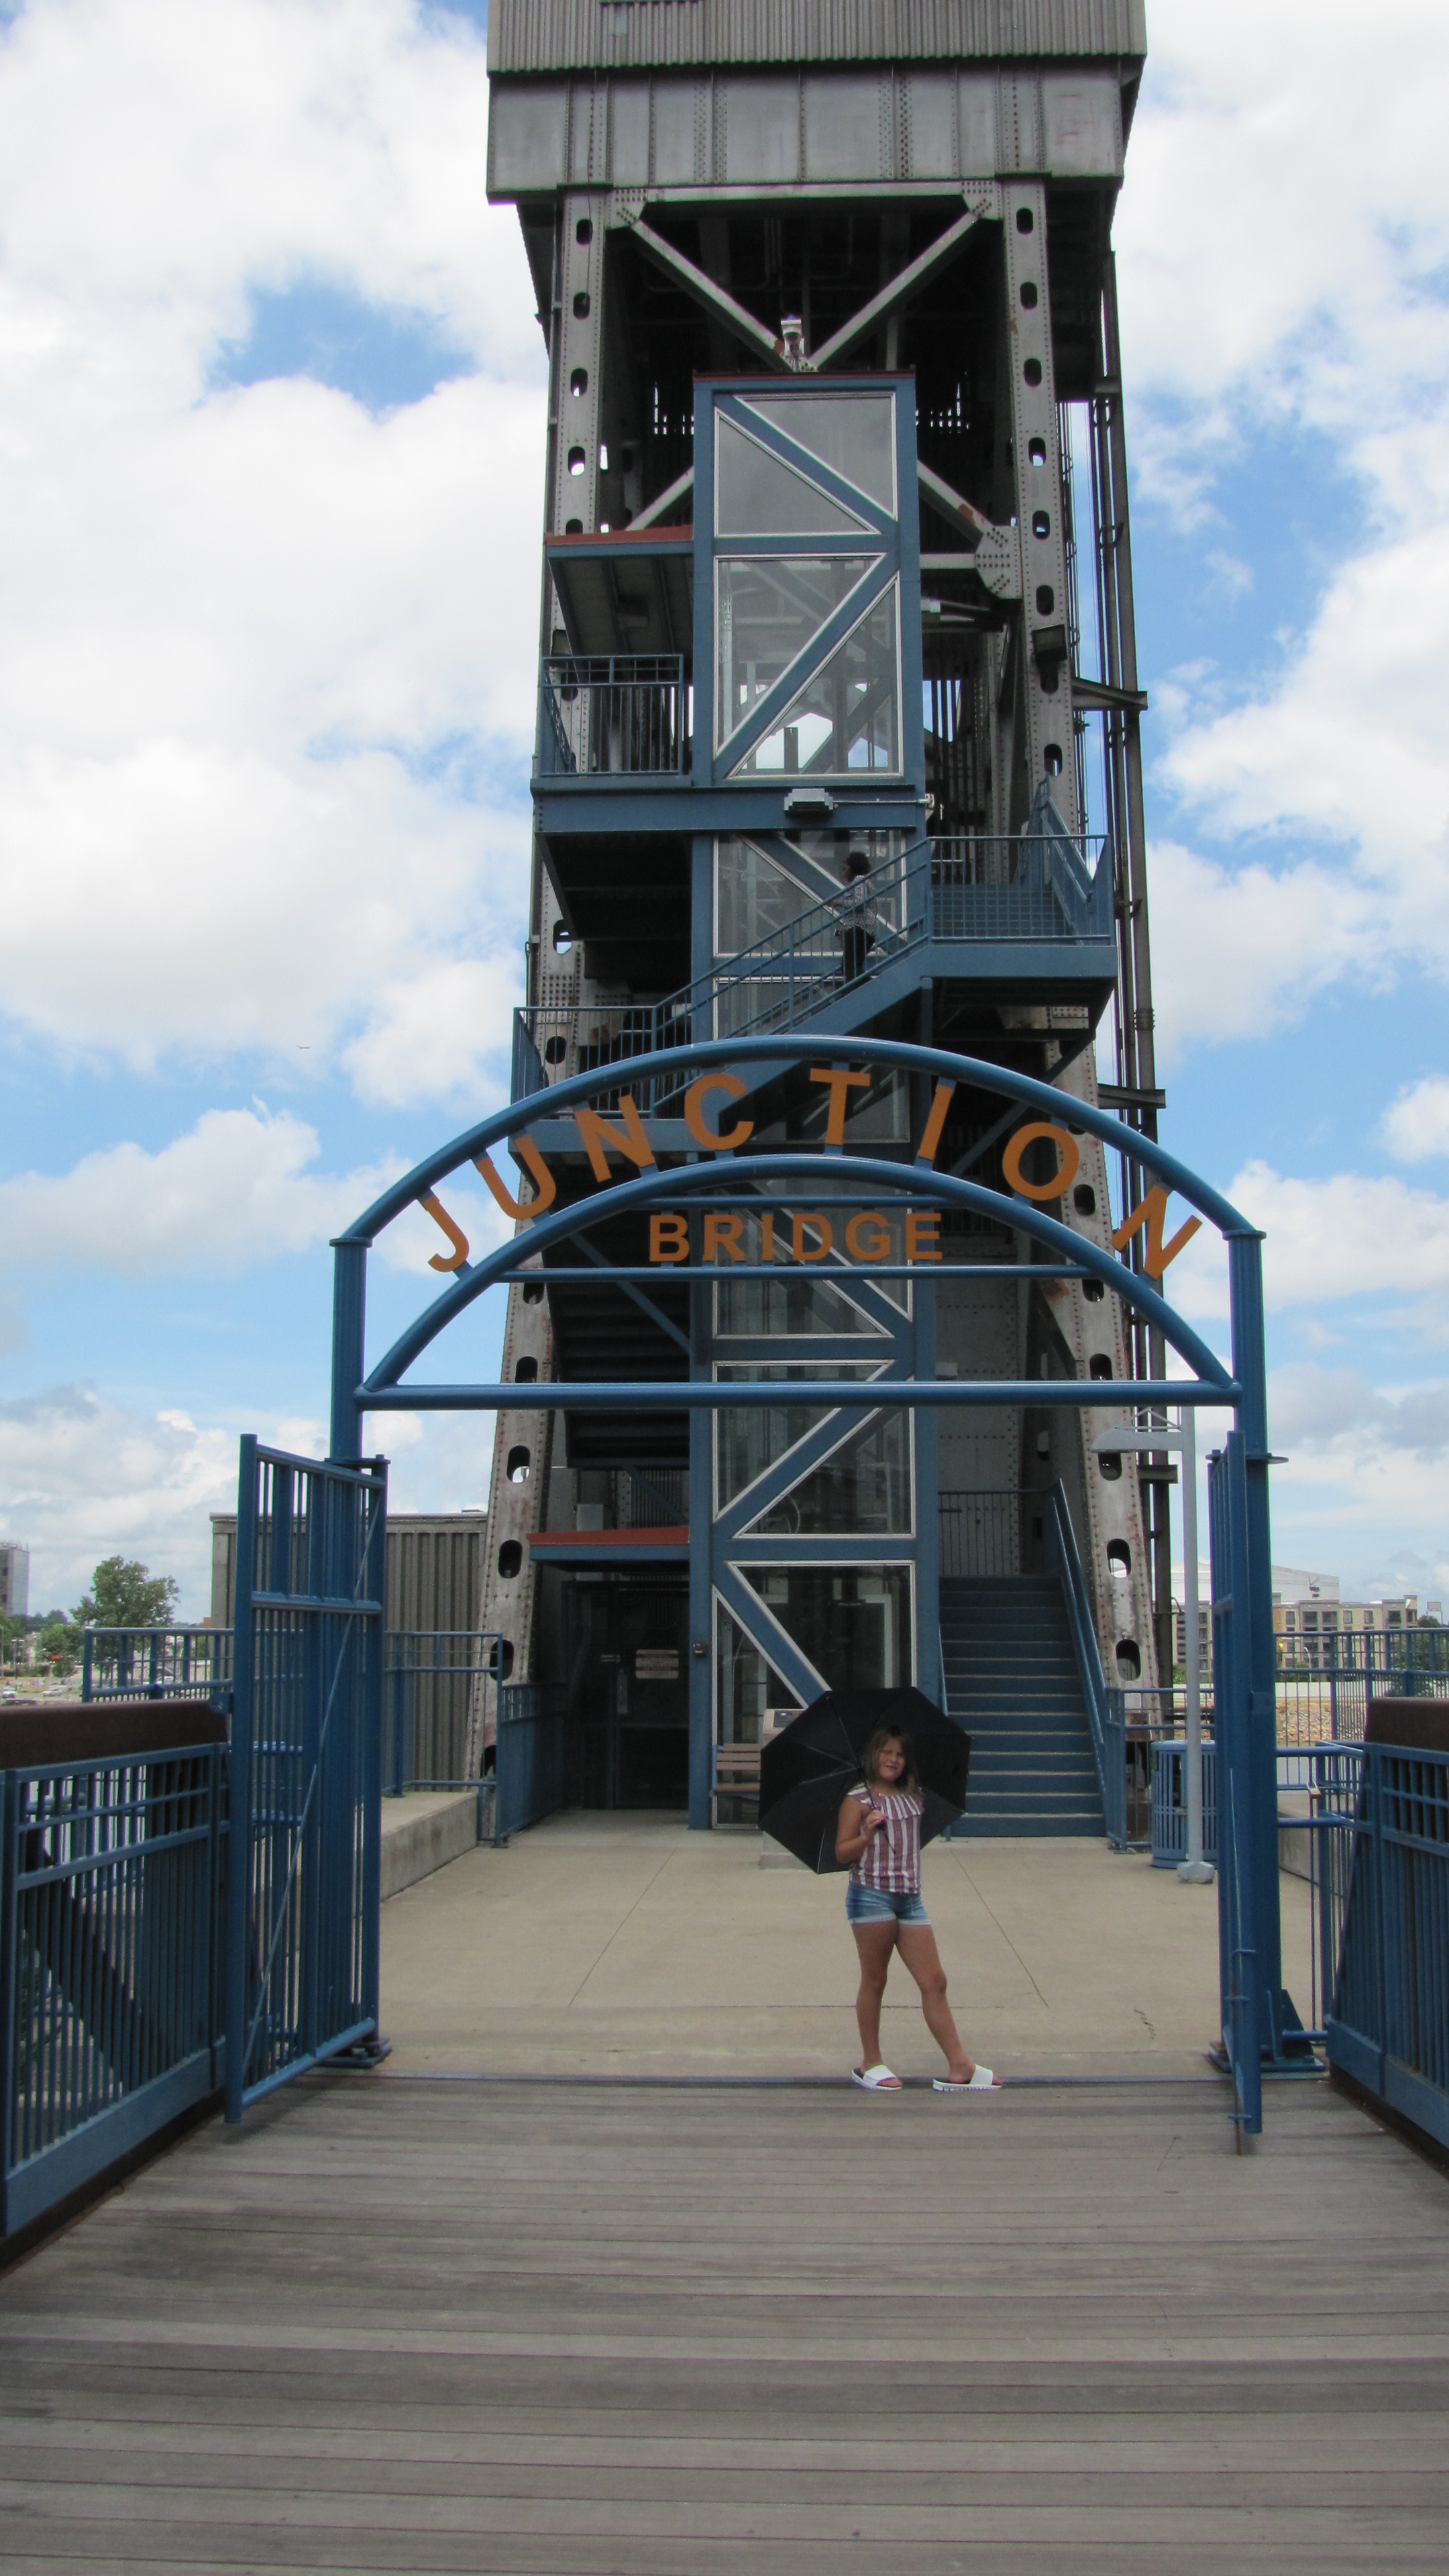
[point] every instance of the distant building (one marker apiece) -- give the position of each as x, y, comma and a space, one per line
1204, 1635
14, 1580
434, 1570
1309, 1616
1290, 1587
1309, 1623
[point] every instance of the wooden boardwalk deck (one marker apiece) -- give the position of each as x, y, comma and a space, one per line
419, 2325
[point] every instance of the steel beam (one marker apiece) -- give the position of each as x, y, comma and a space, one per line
897, 291
714, 299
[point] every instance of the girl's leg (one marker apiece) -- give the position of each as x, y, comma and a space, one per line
875, 1942
917, 1944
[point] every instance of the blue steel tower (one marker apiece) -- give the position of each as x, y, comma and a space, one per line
838, 736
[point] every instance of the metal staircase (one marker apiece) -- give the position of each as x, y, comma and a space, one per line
1012, 1680
842, 962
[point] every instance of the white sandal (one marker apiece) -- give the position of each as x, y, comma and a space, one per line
875, 2079
983, 2081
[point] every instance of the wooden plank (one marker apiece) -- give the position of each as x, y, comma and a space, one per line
416, 2327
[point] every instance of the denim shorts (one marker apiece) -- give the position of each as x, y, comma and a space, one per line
876, 1905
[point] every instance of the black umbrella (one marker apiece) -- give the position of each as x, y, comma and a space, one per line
807, 1768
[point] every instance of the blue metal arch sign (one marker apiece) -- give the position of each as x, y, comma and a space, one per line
903, 1200
733, 1178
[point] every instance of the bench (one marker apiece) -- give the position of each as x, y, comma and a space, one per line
737, 1777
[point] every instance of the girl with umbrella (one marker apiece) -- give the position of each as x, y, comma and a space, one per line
878, 1838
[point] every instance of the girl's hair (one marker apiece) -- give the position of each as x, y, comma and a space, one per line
876, 1746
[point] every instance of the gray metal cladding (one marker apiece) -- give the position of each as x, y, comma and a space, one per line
592, 35
801, 126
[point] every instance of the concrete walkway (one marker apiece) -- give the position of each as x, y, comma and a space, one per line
600, 1944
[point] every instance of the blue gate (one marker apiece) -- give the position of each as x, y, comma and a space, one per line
1238, 1962
1389, 2023
1260, 2024
303, 1856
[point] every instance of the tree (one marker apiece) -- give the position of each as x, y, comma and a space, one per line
125, 1594
59, 1645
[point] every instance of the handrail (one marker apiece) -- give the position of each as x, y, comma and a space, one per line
875, 908
1033, 885
1108, 1734
613, 715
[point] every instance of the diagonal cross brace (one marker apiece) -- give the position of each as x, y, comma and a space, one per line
811, 1451
896, 291
716, 299
664, 500
645, 1304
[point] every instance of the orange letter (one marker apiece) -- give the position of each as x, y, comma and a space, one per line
1067, 1162
922, 1234
458, 1240
879, 1246
1150, 1213
767, 1236
839, 1083
926, 1150
694, 1099
545, 1187
724, 1232
819, 1225
595, 1134
674, 1246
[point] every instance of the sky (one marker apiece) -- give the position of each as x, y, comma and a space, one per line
271, 427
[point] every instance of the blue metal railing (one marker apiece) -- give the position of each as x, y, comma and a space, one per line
1169, 1802
1405, 1649
1314, 1843
151, 1663
1104, 1713
439, 1689
623, 715
530, 1773
1331, 1705
1388, 2026
1038, 886
980, 1532
435, 1681
1242, 2035
110, 1961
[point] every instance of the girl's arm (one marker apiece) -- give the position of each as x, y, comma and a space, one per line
854, 1828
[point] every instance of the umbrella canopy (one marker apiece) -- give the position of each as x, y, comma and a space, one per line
807, 1768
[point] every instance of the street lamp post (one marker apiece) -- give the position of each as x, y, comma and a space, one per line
1182, 1436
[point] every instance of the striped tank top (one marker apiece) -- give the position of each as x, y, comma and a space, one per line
891, 1860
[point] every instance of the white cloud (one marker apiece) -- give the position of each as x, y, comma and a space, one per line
1416, 1125
1316, 1409
1264, 299
1245, 258
1347, 1236
1237, 950
235, 1191
1362, 1492
82, 1478
260, 644
447, 1030
1350, 1235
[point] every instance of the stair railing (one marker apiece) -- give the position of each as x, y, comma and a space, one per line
1104, 1709
1037, 885
980, 1531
